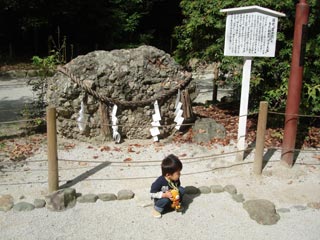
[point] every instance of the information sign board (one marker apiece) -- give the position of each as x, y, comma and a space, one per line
250, 35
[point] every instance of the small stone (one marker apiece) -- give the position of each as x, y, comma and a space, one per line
191, 190
125, 194
39, 203
217, 189
300, 207
88, 198
107, 196
283, 210
238, 197
314, 205
204, 190
230, 189
23, 206
6, 202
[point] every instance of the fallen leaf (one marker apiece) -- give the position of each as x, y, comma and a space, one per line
95, 157
69, 146
183, 155
117, 149
127, 160
317, 157
136, 145
105, 148
130, 149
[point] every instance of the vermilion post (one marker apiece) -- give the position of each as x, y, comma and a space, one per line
295, 83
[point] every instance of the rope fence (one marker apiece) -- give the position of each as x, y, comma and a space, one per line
186, 160
144, 163
24, 121
139, 126
294, 115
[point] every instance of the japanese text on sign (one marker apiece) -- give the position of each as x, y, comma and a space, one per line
251, 34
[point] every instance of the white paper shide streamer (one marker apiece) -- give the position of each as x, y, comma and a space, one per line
178, 112
156, 118
81, 118
115, 134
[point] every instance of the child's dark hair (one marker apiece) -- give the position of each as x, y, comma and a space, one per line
170, 165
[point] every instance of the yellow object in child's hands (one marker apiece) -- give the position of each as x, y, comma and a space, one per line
175, 199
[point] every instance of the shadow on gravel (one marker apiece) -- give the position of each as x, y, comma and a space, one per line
85, 175
187, 200
191, 193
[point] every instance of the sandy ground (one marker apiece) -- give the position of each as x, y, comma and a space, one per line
108, 168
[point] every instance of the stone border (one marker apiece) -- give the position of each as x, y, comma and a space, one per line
260, 210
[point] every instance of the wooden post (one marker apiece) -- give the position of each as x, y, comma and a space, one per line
215, 79
53, 177
261, 131
105, 122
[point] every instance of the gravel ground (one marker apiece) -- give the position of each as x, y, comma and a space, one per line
108, 168
208, 217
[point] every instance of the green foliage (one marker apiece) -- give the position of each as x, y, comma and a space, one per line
46, 67
126, 18
201, 35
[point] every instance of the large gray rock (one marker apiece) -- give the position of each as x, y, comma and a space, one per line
205, 129
125, 75
61, 200
6, 202
262, 211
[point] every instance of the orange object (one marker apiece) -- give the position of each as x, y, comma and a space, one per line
176, 199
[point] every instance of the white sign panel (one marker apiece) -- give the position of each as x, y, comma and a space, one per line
251, 34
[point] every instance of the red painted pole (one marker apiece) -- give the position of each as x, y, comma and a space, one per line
295, 83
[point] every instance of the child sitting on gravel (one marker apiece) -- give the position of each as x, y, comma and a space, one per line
160, 191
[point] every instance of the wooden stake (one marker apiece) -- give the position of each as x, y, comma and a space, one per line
104, 118
53, 177
214, 82
261, 132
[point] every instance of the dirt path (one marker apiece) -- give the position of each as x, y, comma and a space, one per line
14, 95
